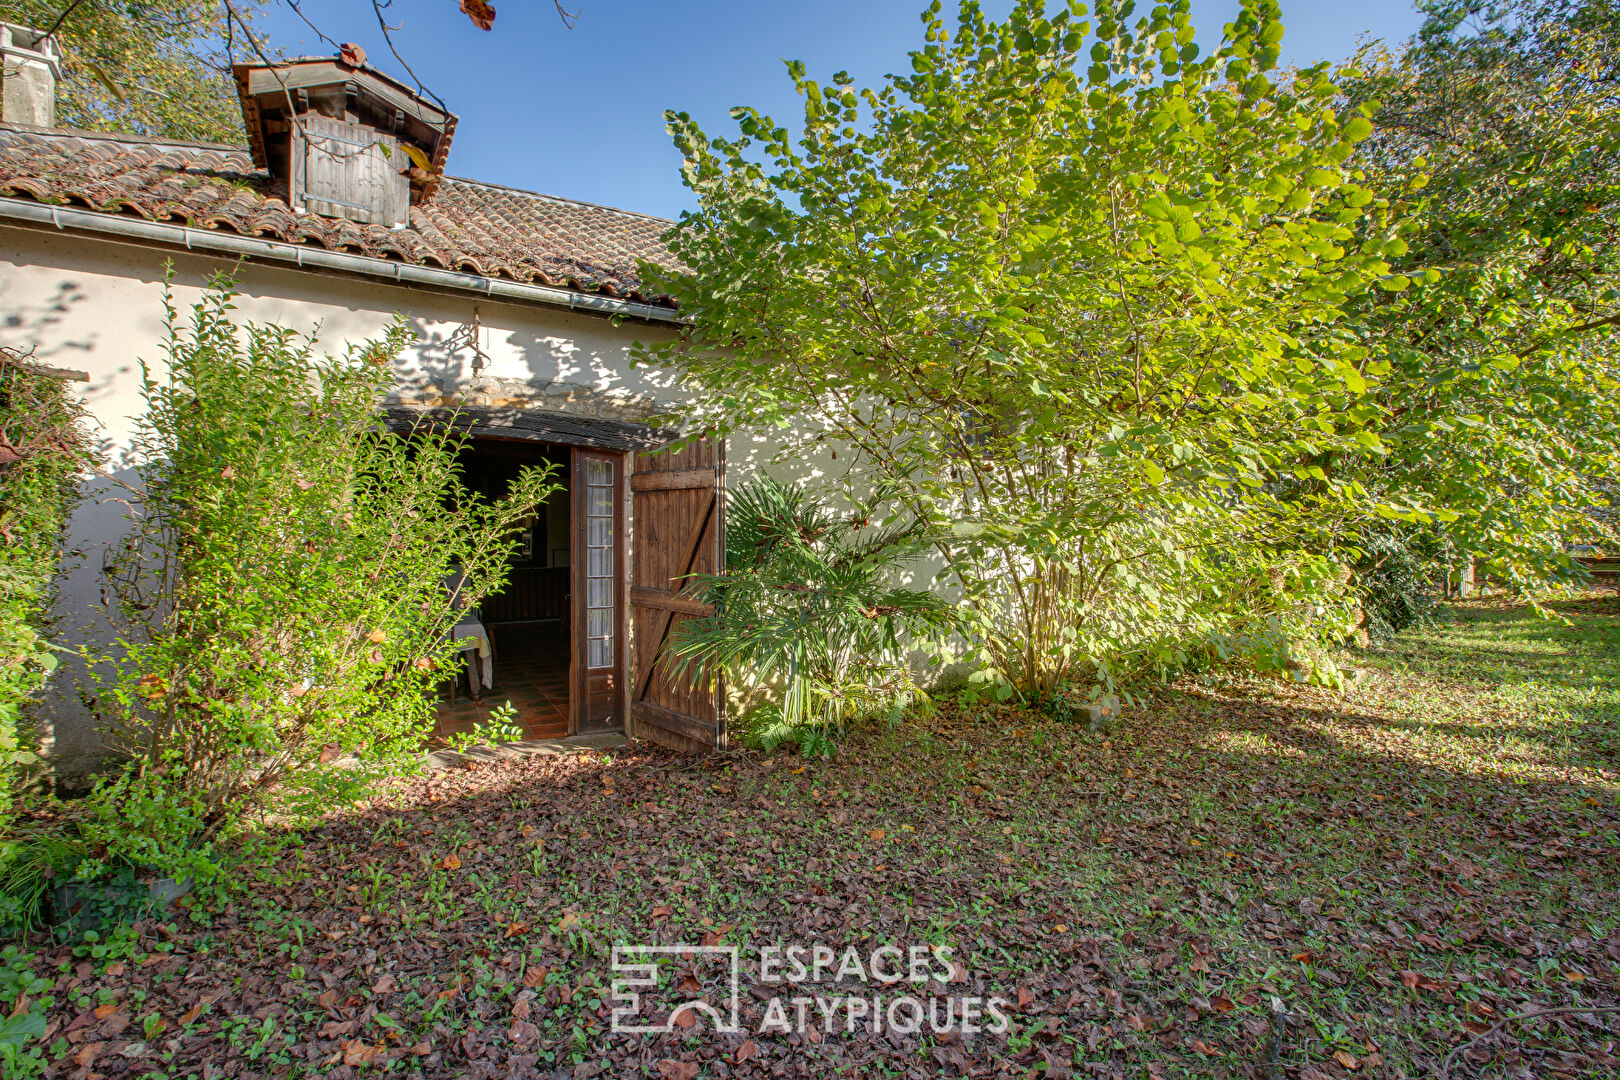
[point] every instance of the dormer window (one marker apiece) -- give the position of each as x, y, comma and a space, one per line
347, 141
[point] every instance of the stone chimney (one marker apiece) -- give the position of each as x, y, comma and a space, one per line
29, 66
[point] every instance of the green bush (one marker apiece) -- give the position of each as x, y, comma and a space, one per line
1395, 578
43, 453
807, 606
284, 586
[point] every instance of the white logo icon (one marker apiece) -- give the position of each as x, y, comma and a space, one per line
636, 967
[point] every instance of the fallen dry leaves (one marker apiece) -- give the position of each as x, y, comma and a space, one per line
1139, 899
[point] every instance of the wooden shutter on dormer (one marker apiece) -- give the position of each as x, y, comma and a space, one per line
339, 169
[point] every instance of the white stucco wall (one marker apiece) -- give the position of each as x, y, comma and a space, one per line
95, 305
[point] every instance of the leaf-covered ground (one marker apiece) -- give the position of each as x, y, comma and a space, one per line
1401, 866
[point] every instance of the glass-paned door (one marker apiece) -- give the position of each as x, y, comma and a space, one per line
601, 566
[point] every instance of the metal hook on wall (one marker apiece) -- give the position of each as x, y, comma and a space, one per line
468, 336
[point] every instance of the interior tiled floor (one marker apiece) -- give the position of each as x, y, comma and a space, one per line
531, 672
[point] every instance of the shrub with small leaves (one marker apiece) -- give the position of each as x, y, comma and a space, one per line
43, 452
285, 584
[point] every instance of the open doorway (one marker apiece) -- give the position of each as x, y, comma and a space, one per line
561, 630
529, 622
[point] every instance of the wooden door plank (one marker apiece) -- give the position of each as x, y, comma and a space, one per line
680, 723
673, 479
686, 562
641, 596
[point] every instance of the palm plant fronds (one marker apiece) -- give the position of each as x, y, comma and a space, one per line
807, 603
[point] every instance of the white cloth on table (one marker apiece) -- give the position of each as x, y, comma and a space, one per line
471, 636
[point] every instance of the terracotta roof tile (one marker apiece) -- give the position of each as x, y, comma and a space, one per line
479, 228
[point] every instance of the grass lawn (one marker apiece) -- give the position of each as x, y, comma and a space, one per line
1399, 866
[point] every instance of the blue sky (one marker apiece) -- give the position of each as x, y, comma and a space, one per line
580, 112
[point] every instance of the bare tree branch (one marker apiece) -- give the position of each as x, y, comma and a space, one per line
377, 6
62, 18
299, 11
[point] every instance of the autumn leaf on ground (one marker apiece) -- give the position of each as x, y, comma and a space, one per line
1056, 1067
450, 862
677, 1070
197, 1009
358, 1052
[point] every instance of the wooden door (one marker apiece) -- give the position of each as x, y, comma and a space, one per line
599, 664
679, 512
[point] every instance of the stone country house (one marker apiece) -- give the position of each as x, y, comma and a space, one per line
525, 309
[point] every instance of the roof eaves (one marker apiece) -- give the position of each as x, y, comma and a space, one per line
125, 229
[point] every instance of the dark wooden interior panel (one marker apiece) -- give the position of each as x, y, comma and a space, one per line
531, 593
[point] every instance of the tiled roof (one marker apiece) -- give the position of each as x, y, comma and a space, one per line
476, 228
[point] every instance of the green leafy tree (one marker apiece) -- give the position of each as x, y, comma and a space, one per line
1072, 291
152, 67
809, 603
286, 582
1500, 124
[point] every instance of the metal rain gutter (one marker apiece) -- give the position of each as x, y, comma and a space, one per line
140, 231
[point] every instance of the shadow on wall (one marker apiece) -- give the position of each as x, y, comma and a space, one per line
562, 368
84, 616
36, 324
52, 329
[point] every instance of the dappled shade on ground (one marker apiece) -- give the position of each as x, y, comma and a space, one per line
1401, 865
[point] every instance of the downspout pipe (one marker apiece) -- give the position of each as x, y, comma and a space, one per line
207, 241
